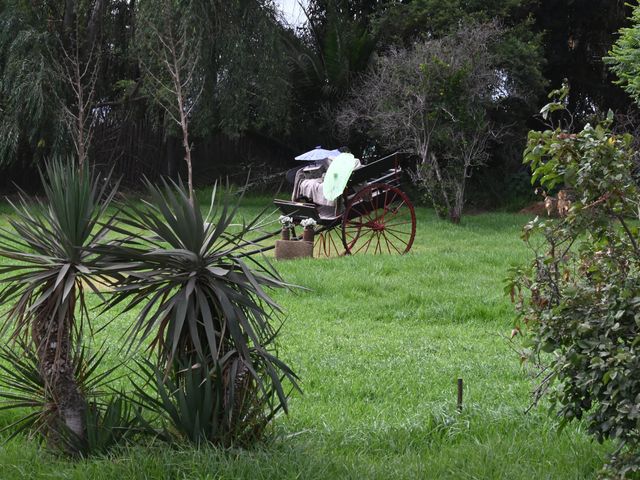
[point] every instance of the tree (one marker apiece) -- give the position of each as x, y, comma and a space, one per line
78, 70
251, 88
326, 58
170, 58
242, 65
517, 52
231, 64
51, 60
624, 57
576, 36
418, 100
518, 55
30, 114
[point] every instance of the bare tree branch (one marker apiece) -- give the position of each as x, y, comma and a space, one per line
177, 53
79, 68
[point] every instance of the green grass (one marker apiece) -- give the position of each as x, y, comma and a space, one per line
379, 342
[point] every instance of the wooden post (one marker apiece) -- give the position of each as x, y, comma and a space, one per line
459, 394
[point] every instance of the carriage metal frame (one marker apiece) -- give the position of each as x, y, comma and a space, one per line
373, 213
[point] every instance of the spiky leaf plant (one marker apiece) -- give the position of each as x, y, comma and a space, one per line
110, 418
22, 386
111, 421
52, 261
203, 308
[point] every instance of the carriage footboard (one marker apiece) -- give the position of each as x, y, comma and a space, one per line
297, 210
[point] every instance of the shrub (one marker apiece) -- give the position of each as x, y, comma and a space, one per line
204, 310
579, 300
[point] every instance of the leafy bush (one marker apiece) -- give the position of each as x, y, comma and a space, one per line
206, 314
579, 300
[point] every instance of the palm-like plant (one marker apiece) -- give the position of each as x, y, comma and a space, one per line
338, 48
109, 418
206, 313
51, 248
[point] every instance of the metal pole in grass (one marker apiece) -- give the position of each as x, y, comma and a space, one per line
459, 394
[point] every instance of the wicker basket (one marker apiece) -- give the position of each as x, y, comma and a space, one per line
288, 249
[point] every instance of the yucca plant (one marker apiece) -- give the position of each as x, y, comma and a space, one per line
22, 386
203, 308
192, 401
110, 418
52, 262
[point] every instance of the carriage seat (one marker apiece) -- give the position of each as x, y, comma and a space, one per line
308, 184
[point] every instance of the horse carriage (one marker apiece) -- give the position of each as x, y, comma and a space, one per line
371, 215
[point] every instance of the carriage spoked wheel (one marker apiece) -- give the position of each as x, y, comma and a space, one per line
328, 243
378, 219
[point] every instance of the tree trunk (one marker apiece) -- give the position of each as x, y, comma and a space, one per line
458, 198
69, 14
184, 124
455, 214
95, 22
187, 157
443, 190
66, 404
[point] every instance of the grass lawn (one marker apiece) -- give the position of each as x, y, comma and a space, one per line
379, 342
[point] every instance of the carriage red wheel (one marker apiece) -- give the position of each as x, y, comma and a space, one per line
379, 219
328, 243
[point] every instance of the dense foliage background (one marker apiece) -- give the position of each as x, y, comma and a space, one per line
271, 90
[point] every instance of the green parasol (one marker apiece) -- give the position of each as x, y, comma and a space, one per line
338, 175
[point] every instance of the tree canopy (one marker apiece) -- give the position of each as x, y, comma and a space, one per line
267, 91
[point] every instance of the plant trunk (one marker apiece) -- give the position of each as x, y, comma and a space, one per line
66, 405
